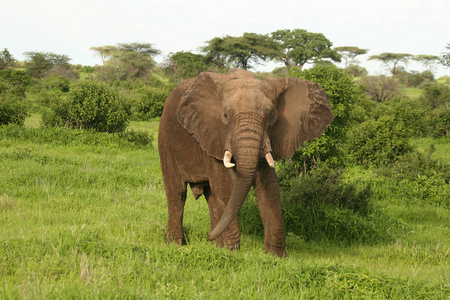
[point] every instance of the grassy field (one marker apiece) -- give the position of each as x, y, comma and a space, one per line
84, 217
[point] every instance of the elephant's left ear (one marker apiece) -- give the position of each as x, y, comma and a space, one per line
200, 112
304, 112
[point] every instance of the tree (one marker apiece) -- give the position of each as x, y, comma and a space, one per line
349, 54
183, 65
105, 52
445, 58
126, 61
380, 88
240, 51
427, 61
298, 47
6, 59
392, 60
39, 62
146, 48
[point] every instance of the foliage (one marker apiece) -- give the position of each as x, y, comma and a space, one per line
343, 95
298, 47
428, 61
435, 96
38, 63
90, 105
126, 65
149, 103
411, 113
380, 88
14, 83
392, 60
445, 58
356, 71
239, 51
6, 60
349, 54
378, 141
57, 82
12, 112
183, 65
414, 78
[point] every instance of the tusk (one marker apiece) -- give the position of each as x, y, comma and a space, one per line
270, 160
227, 160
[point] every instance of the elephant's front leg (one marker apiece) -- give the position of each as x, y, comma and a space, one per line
269, 202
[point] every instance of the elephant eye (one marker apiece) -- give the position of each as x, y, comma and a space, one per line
225, 115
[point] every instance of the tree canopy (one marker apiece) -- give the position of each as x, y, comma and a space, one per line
349, 54
6, 59
298, 47
427, 60
239, 52
445, 59
39, 62
183, 65
392, 60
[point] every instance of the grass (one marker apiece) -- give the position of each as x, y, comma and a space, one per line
86, 217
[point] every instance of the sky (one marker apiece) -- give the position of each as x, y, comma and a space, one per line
71, 27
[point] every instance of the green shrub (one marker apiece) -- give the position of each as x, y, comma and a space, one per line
324, 186
57, 82
12, 112
419, 178
436, 95
322, 207
412, 114
378, 142
90, 105
149, 103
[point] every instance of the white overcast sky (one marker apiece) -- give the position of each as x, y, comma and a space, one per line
71, 27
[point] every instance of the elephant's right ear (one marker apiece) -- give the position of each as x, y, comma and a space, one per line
200, 112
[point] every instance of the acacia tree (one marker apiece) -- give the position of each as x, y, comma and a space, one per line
240, 51
392, 60
126, 61
105, 52
349, 54
445, 59
428, 61
40, 62
298, 47
183, 65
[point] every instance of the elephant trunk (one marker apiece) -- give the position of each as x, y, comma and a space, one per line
246, 150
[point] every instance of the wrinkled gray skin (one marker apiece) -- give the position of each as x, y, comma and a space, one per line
221, 134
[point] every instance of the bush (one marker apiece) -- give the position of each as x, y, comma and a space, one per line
57, 82
12, 112
414, 116
149, 103
321, 206
90, 105
418, 178
436, 95
378, 142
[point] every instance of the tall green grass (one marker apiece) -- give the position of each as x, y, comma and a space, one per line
84, 216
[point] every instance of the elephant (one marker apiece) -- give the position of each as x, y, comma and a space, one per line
221, 134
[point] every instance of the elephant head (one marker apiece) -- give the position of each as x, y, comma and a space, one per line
242, 120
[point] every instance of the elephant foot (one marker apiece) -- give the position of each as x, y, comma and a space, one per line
175, 240
278, 251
